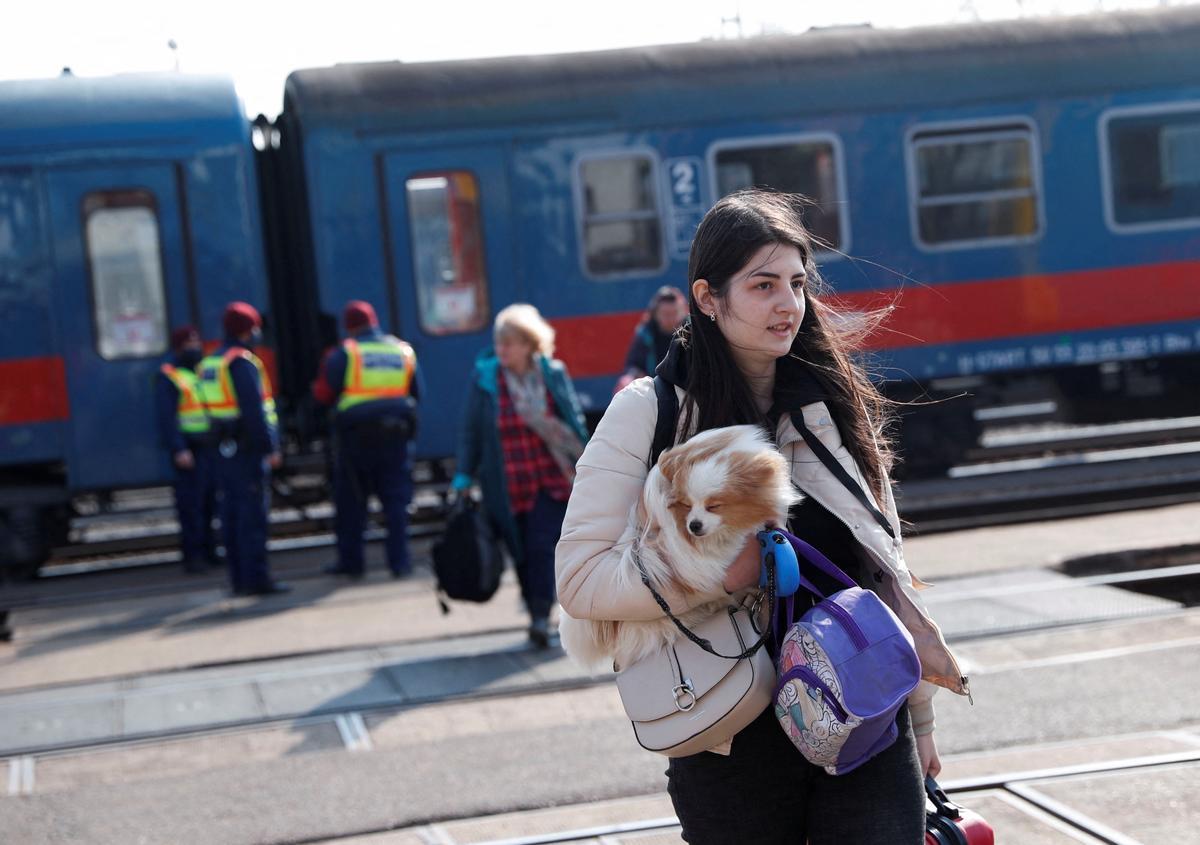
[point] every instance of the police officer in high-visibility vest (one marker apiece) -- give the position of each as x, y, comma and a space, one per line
187, 436
236, 392
372, 382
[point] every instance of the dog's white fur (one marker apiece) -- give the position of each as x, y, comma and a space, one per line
680, 541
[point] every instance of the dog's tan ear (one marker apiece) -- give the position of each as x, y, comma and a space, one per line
759, 470
669, 463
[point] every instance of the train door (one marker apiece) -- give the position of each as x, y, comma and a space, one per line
451, 270
121, 284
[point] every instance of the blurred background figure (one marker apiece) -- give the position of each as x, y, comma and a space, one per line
237, 394
522, 433
652, 337
372, 382
186, 432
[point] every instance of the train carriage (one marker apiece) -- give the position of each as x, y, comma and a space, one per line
127, 207
1026, 193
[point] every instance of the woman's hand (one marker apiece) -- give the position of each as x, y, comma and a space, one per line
927, 752
746, 568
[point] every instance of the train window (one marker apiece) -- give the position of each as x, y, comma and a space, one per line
448, 257
975, 185
806, 166
1154, 168
125, 258
622, 230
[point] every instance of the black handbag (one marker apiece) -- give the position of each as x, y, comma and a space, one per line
467, 560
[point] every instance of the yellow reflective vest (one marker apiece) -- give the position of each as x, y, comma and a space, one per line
375, 370
216, 386
190, 414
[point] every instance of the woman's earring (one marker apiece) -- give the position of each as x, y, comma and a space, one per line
713, 316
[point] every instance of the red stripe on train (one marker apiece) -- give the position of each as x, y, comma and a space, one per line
955, 313
1034, 305
594, 346
33, 390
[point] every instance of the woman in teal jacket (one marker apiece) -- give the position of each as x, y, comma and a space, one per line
522, 433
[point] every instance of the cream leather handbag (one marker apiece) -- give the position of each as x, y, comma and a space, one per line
701, 690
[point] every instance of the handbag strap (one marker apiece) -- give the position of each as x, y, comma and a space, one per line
696, 638
814, 556
835, 466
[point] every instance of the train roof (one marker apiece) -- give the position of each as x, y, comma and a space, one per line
821, 71
77, 111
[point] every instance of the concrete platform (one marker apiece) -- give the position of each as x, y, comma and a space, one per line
435, 669
468, 759
285, 688
1033, 545
340, 708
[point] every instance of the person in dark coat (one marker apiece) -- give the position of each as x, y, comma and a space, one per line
372, 382
186, 435
521, 435
236, 391
652, 337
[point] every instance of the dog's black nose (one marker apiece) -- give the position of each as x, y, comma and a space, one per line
696, 527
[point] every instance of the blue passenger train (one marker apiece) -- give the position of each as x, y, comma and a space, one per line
1025, 194
128, 206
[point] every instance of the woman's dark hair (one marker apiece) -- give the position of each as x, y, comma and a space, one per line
734, 229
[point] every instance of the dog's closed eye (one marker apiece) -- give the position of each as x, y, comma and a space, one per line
712, 506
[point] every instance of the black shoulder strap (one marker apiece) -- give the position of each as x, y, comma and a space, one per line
664, 427
833, 465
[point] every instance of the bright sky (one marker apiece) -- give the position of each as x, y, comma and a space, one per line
258, 42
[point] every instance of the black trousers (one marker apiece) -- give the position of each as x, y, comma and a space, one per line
371, 463
540, 529
766, 793
245, 518
196, 505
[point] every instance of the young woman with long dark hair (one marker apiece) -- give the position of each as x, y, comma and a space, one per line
763, 348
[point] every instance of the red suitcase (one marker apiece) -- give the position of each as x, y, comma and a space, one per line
949, 824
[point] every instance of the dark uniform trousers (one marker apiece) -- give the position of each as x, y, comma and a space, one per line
196, 505
372, 460
245, 505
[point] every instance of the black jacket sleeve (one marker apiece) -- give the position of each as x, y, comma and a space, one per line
256, 434
166, 412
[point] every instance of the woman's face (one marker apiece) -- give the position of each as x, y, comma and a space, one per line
514, 351
763, 306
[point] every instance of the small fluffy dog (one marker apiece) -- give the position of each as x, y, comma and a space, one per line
698, 506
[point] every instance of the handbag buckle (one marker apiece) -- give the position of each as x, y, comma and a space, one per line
684, 693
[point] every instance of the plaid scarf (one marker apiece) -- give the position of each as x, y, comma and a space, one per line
528, 393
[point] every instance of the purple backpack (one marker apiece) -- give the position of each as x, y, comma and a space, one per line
846, 666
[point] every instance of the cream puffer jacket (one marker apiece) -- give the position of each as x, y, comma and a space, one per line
600, 526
